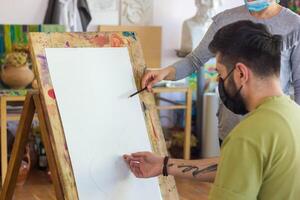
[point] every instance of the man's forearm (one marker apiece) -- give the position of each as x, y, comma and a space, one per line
204, 169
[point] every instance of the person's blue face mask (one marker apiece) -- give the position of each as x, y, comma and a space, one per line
257, 5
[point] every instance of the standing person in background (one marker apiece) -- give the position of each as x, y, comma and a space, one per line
278, 19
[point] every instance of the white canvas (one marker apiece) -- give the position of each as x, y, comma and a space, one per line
100, 122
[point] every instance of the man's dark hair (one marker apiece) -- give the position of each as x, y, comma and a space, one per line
249, 43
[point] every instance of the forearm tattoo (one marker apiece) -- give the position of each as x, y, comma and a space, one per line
195, 170
170, 165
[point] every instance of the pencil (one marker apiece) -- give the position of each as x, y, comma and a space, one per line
139, 91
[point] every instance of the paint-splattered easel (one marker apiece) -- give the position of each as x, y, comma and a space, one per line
44, 102
31, 105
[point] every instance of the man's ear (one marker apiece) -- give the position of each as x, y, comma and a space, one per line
242, 71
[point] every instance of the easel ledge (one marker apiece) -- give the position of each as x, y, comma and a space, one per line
32, 104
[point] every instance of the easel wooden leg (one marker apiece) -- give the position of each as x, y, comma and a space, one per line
49, 150
18, 149
3, 138
31, 104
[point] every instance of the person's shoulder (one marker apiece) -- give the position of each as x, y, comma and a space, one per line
230, 15
253, 123
292, 22
290, 17
250, 130
281, 112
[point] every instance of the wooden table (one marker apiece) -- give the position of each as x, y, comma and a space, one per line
192, 189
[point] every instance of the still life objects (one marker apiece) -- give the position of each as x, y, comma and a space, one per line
16, 72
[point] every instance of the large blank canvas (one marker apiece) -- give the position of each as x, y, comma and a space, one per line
100, 122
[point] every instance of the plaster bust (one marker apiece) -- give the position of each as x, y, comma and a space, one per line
137, 12
193, 29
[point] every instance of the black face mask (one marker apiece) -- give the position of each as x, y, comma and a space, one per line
235, 104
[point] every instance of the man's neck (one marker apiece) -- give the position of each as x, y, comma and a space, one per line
260, 93
271, 11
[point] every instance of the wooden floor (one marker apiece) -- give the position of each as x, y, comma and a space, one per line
38, 187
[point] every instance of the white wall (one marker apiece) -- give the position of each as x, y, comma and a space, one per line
22, 11
171, 16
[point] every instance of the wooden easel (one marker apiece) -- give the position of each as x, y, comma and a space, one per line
32, 105
44, 103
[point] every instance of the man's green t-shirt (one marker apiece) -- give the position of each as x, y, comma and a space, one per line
260, 158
